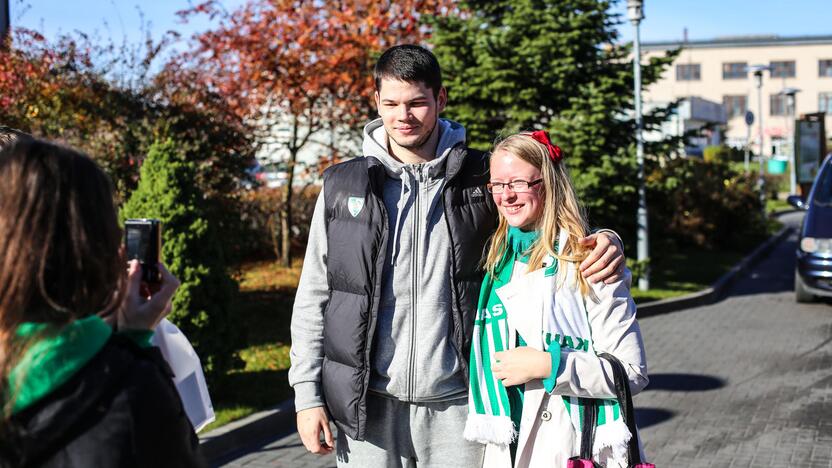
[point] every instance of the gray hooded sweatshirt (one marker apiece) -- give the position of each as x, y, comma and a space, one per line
414, 358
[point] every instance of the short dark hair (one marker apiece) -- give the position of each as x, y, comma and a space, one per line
410, 63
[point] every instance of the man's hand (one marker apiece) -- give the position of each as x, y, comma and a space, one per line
606, 261
522, 364
310, 424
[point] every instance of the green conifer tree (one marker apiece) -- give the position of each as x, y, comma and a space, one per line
191, 250
513, 65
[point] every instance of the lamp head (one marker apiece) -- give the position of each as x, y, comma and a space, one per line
789, 91
635, 11
758, 70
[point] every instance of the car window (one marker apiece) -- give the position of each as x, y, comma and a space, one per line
823, 186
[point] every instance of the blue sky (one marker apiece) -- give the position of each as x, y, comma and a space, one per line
664, 19
707, 19
116, 19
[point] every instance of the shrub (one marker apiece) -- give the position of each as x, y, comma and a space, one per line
191, 250
703, 204
722, 153
261, 217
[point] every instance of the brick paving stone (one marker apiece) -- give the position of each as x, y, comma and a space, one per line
774, 359
746, 382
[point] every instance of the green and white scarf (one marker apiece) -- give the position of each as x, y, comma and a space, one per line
489, 412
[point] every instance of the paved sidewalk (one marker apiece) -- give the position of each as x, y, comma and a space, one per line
746, 382
286, 452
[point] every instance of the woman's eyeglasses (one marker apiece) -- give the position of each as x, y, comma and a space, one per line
516, 186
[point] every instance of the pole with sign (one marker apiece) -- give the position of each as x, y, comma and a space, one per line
749, 121
809, 148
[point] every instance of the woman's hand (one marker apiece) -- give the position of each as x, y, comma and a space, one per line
520, 365
146, 306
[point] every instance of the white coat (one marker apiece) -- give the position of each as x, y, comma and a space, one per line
546, 436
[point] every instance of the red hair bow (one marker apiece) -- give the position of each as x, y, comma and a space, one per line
542, 136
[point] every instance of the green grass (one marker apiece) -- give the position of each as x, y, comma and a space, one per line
775, 205
685, 271
264, 310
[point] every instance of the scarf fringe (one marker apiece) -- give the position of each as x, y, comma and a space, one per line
488, 429
610, 448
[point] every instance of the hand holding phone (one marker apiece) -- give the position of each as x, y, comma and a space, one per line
143, 309
143, 242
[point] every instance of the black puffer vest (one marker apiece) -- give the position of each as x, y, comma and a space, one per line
355, 256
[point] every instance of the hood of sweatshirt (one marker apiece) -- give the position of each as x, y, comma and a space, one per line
375, 145
56, 354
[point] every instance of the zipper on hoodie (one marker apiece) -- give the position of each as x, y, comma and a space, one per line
415, 271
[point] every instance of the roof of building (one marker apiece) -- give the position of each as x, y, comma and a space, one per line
740, 41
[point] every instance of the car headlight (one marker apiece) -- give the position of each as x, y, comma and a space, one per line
815, 244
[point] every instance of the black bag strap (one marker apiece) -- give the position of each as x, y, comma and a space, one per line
625, 402
588, 428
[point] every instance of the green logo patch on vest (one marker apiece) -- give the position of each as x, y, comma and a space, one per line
355, 204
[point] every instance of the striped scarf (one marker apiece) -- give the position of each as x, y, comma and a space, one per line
490, 418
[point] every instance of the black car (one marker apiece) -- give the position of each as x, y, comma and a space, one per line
813, 275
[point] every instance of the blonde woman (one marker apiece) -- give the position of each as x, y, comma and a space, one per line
540, 324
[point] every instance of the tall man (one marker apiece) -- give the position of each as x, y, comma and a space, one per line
381, 327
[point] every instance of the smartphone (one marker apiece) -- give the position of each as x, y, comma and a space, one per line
143, 242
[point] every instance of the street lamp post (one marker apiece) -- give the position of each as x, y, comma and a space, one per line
758, 78
790, 113
635, 13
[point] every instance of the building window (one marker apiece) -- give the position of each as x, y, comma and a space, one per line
734, 70
783, 69
777, 104
825, 102
825, 68
687, 72
735, 106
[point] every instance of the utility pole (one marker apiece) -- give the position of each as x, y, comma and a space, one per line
635, 13
758, 77
790, 93
749, 120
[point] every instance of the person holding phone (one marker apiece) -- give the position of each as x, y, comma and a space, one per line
80, 383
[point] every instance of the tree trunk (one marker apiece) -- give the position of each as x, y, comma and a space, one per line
286, 212
274, 232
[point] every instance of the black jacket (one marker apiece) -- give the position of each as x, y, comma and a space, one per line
120, 410
354, 271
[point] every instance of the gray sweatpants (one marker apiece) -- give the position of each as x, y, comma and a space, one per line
411, 435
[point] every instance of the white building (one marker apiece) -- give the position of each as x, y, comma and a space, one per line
274, 152
693, 114
716, 70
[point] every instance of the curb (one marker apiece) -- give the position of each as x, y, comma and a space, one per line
718, 289
248, 432
258, 428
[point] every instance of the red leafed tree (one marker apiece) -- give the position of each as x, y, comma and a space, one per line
305, 64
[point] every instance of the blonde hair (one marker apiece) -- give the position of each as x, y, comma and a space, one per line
561, 211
